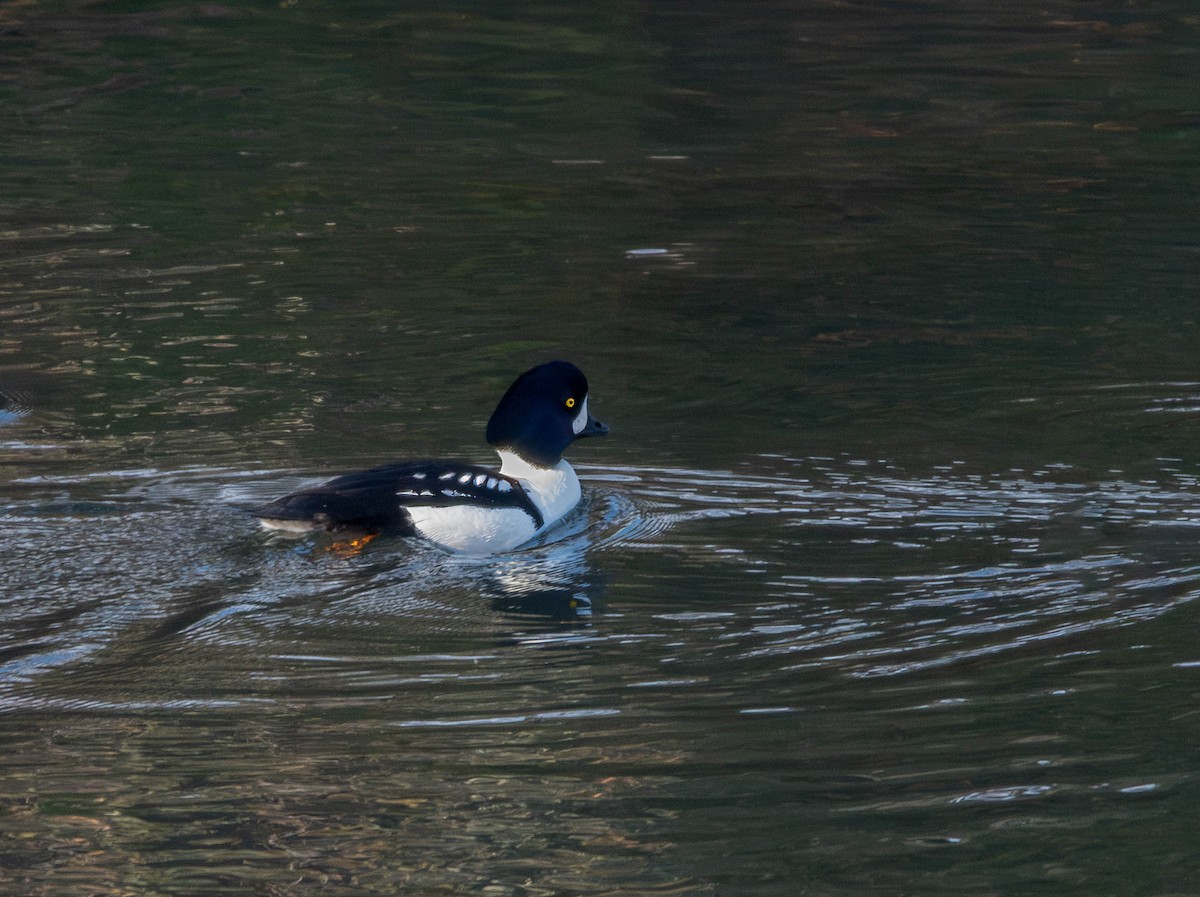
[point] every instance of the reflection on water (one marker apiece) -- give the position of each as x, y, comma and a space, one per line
884, 583
811, 564
795, 640
13, 406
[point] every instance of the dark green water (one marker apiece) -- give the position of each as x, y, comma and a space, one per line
884, 583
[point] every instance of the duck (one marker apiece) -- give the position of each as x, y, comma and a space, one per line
461, 507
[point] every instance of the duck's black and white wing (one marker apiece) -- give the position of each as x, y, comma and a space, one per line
371, 500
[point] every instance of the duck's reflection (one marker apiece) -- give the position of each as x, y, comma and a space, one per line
552, 581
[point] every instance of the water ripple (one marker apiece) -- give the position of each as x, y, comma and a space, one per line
787, 566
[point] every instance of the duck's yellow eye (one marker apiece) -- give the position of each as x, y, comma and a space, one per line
570, 403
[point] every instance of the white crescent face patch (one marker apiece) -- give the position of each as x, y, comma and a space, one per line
581, 418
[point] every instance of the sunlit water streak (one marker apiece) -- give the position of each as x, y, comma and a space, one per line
856, 568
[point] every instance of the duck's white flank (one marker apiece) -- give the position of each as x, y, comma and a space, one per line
471, 529
288, 526
477, 530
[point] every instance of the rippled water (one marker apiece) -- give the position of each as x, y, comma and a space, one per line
884, 664
884, 582
852, 567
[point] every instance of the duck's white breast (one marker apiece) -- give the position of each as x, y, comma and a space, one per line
555, 490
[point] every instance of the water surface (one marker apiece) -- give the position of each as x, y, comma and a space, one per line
884, 581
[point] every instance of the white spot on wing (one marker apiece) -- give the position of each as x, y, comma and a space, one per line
491, 483
465, 478
480, 479
447, 476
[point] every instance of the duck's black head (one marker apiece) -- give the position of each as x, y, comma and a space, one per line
542, 413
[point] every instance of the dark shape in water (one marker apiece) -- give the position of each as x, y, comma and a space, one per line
13, 405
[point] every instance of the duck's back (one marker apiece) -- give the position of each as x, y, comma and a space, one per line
370, 500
